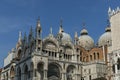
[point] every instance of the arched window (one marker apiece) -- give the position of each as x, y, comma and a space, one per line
80, 53
98, 56
90, 57
90, 77
84, 59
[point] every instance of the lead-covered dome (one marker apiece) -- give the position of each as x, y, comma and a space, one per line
85, 40
105, 38
66, 37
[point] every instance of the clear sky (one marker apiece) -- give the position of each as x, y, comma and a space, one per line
20, 15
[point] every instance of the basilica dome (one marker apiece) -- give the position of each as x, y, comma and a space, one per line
105, 38
66, 37
85, 40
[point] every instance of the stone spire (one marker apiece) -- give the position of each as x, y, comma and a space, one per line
38, 36
51, 30
38, 23
51, 33
31, 37
20, 36
109, 12
61, 29
19, 43
38, 29
76, 35
25, 39
76, 38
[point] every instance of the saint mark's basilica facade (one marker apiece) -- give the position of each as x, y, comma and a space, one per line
59, 57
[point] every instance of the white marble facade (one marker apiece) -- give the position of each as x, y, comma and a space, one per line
56, 57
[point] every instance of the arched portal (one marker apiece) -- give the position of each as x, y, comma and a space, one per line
70, 72
53, 72
19, 73
12, 73
40, 68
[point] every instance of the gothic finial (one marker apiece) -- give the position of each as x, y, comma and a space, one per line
83, 25
20, 35
76, 35
76, 38
25, 37
61, 29
109, 12
38, 22
51, 30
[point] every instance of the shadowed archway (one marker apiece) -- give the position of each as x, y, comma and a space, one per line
53, 72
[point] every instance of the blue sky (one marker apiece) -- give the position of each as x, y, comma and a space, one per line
20, 15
